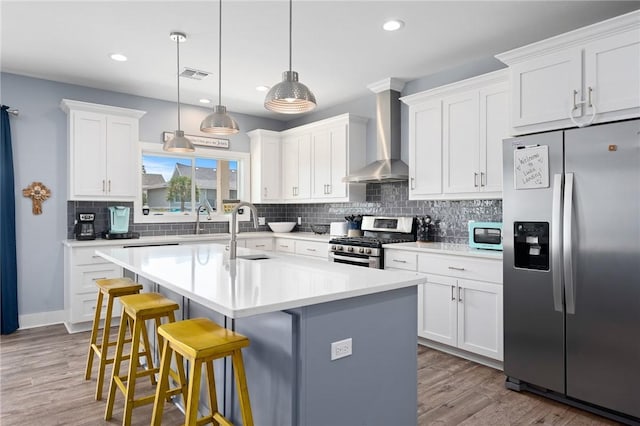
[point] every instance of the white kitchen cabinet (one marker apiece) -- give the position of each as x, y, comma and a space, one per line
81, 270
296, 167
265, 166
455, 139
460, 305
314, 159
264, 244
318, 249
597, 66
102, 151
285, 245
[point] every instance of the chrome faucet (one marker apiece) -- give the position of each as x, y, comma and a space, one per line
207, 206
233, 244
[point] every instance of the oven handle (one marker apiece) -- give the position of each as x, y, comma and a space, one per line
349, 258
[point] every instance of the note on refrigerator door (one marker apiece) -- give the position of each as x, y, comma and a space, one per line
531, 167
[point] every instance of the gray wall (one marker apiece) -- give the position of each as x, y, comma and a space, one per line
39, 147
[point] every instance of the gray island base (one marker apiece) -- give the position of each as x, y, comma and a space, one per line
291, 376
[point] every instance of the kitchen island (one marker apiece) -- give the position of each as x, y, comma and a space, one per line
293, 309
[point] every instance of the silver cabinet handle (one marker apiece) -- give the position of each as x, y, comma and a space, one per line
265, 192
453, 297
575, 103
590, 90
475, 179
310, 249
482, 179
329, 190
459, 295
455, 268
398, 261
283, 246
99, 278
413, 183
260, 245
567, 257
556, 241
103, 186
109, 185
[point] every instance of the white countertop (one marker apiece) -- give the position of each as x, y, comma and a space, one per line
187, 238
446, 248
240, 288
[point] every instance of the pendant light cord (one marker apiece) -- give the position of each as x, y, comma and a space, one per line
290, 31
220, 57
178, 74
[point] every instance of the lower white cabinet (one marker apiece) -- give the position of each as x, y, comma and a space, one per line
460, 305
303, 247
264, 244
81, 271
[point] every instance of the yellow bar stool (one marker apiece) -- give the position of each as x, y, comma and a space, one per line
137, 309
109, 288
201, 341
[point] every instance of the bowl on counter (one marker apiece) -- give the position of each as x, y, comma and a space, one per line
318, 228
282, 226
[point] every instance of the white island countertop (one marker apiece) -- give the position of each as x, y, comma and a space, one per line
241, 288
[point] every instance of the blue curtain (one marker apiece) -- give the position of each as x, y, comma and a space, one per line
8, 264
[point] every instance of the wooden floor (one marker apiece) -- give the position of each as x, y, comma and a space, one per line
42, 383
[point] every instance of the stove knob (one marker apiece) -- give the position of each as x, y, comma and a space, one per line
368, 251
340, 248
361, 250
333, 247
350, 249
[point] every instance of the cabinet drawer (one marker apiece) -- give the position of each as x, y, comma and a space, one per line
285, 246
400, 260
265, 244
87, 256
461, 267
83, 308
311, 248
84, 281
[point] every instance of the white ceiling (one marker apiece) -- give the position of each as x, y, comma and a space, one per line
338, 46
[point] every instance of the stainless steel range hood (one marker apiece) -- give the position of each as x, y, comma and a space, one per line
388, 166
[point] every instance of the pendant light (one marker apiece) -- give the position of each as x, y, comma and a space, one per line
178, 143
219, 122
290, 96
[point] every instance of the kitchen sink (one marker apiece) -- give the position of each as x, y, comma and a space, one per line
253, 257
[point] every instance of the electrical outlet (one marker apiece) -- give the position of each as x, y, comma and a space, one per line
299, 220
262, 221
341, 349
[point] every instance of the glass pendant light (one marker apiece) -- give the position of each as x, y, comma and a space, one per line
219, 122
178, 143
290, 96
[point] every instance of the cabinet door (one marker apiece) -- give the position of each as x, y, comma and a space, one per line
460, 143
612, 72
480, 318
122, 153
270, 169
290, 166
437, 310
305, 167
338, 166
542, 88
264, 244
88, 142
321, 154
425, 149
494, 127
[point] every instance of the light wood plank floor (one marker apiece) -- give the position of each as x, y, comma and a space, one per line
42, 383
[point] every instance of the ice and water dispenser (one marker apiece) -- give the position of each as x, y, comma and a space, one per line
531, 245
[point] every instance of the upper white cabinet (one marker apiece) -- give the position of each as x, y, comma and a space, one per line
592, 74
102, 151
314, 159
296, 167
455, 139
265, 166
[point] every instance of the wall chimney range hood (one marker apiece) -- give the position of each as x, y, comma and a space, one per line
388, 166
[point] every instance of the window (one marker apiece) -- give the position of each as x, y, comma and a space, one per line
173, 186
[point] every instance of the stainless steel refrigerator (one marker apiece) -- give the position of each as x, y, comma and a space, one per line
571, 221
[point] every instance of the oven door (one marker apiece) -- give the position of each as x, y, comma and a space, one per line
355, 259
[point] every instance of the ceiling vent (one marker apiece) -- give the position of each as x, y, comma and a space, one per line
194, 74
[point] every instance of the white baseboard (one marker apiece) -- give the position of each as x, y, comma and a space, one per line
493, 363
41, 319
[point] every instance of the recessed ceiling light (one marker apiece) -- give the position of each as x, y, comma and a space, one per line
118, 57
205, 101
392, 25
262, 88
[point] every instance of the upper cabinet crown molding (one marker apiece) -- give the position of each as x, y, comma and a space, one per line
573, 38
67, 105
387, 84
338, 119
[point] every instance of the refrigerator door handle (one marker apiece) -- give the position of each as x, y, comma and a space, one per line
568, 244
556, 241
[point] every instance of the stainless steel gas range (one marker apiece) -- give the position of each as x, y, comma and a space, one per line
367, 250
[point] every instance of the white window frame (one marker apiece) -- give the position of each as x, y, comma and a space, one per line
243, 182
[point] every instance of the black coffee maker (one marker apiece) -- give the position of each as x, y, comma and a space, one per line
85, 229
